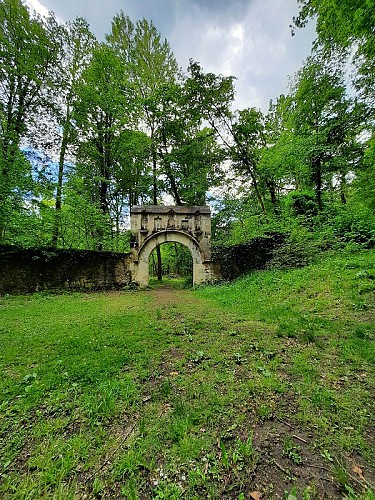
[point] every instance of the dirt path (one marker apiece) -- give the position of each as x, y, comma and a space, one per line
165, 295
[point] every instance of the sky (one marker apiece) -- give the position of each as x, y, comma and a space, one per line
248, 39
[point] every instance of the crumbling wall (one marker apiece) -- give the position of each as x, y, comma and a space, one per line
31, 270
235, 260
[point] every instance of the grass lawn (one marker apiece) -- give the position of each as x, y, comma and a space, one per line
262, 388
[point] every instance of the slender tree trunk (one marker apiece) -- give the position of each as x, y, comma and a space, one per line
318, 181
251, 170
272, 190
256, 189
169, 173
342, 188
154, 175
155, 201
174, 189
58, 202
159, 263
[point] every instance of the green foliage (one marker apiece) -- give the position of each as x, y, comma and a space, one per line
355, 223
176, 261
345, 25
301, 204
292, 451
133, 128
324, 118
365, 182
29, 49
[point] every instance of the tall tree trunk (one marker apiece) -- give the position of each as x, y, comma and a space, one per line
272, 190
154, 172
318, 181
256, 189
155, 201
159, 263
342, 188
169, 173
58, 202
173, 184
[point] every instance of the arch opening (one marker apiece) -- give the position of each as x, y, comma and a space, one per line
176, 265
199, 269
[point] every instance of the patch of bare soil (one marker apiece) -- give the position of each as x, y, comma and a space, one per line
165, 295
287, 460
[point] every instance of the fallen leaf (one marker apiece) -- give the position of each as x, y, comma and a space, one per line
359, 471
255, 495
174, 374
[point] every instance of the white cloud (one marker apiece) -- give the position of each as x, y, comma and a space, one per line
37, 6
255, 46
249, 39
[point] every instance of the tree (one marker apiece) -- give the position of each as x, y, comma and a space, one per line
189, 154
249, 140
29, 51
151, 65
77, 49
113, 156
342, 22
211, 96
345, 25
323, 119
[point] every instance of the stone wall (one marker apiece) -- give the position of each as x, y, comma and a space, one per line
32, 270
231, 262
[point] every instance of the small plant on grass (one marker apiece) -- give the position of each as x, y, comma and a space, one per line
292, 495
292, 451
198, 358
238, 358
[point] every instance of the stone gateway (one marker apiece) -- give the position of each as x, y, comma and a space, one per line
153, 225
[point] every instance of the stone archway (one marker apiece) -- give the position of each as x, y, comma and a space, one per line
200, 269
154, 225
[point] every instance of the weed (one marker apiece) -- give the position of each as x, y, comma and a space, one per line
341, 475
265, 411
292, 451
327, 455
165, 388
198, 357
238, 358
292, 495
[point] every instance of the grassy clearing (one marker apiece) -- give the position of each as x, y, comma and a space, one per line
263, 385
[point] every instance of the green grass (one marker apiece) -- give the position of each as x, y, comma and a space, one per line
178, 282
265, 384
